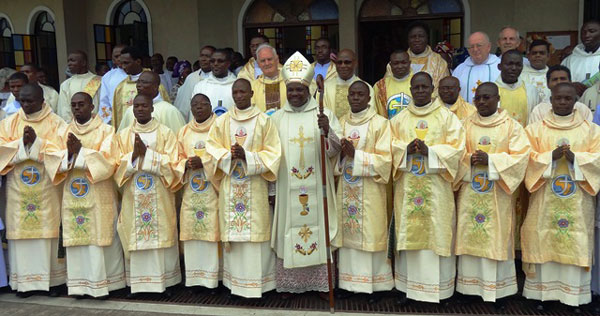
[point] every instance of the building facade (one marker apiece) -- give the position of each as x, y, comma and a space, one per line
44, 31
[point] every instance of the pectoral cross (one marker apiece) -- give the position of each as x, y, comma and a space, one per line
301, 140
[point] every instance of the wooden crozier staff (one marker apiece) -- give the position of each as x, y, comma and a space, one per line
325, 209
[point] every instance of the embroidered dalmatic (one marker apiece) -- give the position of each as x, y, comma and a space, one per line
392, 95
424, 202
88, 83
89, 208
462, 109
363, 263
164, 112
124, 95
198, 217
244, 214
269, 94
335, 96
298, 230
486, 206
32, 201
147, 222
557, 235
184, 94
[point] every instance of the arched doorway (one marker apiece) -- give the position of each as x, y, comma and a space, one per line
292, 25
383, 23
7, 56
45, 46
127, 22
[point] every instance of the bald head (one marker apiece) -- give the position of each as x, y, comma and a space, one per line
345, 64
242, 82
479, 47
488, 87
508, 39
486, 99
449, 89
148, 84
83, 95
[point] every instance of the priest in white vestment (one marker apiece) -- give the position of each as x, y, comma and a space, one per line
480, 67
585, 59
185, 93
243, 153
83, 168
109, 83
147, 174
217, 87
82, 80
298, 229
534, 74
50, 95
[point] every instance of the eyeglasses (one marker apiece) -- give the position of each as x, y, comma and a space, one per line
344, 62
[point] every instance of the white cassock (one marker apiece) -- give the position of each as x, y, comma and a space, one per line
218, 90
185, 93
582, 65
471, 75
537, 80
110, 81
77, 83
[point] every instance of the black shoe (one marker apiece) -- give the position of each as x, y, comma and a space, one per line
499, 306
77, 297
168, 293
102, 298
131, 296
25, 294
374, 299
402, 300
342, 294
54, 292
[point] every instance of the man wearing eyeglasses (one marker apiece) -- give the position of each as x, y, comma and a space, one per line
335, 96
480, 67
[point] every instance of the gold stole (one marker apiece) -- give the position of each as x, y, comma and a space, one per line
341, 101
272, 97
92, 86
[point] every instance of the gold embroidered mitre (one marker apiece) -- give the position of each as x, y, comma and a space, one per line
297, 69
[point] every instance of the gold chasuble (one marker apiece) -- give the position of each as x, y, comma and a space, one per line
89, 198
330, 75
32, 201
423, 198
148, 219
429, 62
298, 236
486, 199
269, 94
362, 184
124, 95
392, 95
335, 96
88, 83
244, 212
559, 225
462, 108
198, 218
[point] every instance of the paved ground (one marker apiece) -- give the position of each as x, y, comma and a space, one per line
62, 306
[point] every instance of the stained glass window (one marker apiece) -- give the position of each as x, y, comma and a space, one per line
44, 23
293, 25
7, 57
104, 39
23, 49
129, 12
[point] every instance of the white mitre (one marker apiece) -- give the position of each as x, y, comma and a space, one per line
297, 69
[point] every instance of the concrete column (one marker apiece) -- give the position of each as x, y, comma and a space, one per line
348, 24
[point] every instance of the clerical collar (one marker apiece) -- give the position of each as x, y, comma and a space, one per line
490, 118
300, 108
360, 114
346, 82
271, 78
401, 79
136, 77
157, 98
84, 124
323, 65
